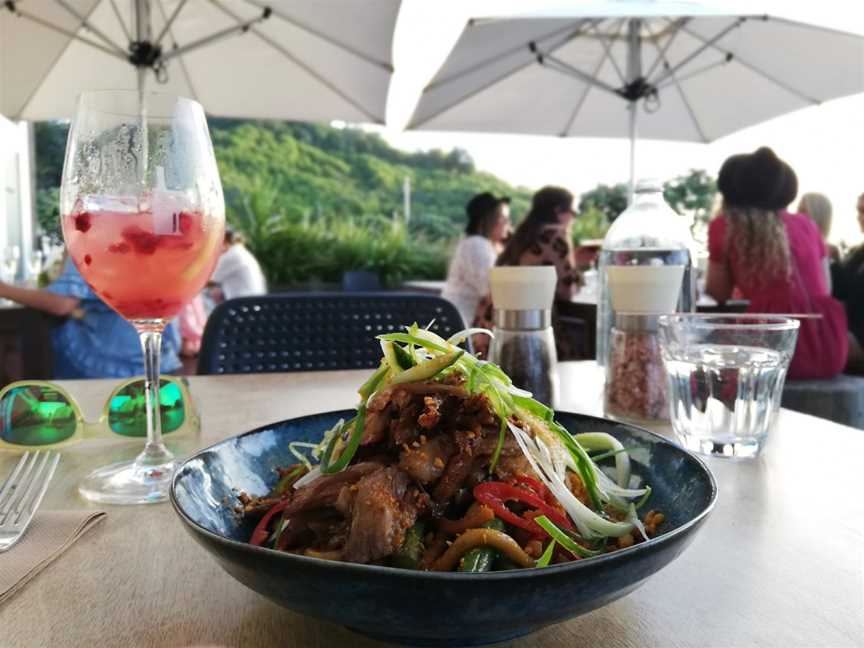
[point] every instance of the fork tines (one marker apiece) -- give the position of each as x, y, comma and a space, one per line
23, 490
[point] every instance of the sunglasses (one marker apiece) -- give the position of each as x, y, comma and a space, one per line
42, 414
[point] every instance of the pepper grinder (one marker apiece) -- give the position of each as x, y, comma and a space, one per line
524, 344
636, 384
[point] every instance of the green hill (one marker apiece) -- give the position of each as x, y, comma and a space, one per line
315, 201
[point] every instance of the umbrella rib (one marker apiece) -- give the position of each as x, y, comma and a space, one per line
61, 30
683, 95
86, 25
315, 75
120, 20
607, 54
608, 50
180, 60
485, 86
311, 30
706, 44
170, 21
576, 28
750, 66
60, 54
680, 79
242, 27
677, 25
565, 68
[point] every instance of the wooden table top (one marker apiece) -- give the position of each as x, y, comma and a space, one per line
780, 562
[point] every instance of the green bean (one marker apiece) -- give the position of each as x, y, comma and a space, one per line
480, 559
409, 554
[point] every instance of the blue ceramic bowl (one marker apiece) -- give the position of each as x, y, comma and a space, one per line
420, 608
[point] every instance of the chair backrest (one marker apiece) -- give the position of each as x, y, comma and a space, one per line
313, 331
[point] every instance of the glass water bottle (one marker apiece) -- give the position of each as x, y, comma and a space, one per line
648, 232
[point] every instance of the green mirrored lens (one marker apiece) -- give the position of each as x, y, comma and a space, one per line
127, 413
34, 415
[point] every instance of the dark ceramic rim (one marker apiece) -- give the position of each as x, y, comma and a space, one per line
360, 569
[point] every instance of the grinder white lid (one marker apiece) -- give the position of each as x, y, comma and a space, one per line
523, 287
644, 288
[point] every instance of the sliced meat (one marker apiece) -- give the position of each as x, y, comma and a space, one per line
376, 426
431, 412
455, 473
406, 407
384, 507
511, 466
425, 463
325, 490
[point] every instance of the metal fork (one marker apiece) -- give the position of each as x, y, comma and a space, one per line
22, 493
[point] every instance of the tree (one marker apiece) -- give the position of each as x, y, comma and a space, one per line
692, 194
610, 201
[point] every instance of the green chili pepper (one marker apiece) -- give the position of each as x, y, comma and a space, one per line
480, 559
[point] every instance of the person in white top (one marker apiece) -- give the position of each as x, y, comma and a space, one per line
468, 276
237, 272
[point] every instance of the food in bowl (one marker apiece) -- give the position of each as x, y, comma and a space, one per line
447, 466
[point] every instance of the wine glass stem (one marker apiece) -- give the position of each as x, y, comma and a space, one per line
155, 451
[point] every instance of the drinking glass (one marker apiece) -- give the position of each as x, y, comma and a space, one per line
143, 219
726, 375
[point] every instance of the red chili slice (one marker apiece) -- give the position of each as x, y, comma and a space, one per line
495, 494
260, 534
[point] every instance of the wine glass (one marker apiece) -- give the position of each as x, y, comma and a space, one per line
143, 218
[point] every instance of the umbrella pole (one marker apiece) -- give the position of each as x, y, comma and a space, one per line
631, 106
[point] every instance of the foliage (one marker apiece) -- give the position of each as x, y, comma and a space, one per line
321, 252
610, 200
48, 212
692, 194
590, 223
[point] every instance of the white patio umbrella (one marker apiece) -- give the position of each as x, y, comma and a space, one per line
281, 59
667, 70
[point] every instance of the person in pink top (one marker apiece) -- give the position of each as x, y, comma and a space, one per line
777, 260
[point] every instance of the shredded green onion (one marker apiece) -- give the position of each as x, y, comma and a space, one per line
543, 561
563, 539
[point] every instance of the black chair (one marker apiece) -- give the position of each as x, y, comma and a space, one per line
313, 331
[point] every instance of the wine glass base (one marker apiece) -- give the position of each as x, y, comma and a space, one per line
129, 482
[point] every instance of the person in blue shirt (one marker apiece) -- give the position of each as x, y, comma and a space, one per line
93, 341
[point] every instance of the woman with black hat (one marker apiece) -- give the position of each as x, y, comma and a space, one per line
777, 260
468, 276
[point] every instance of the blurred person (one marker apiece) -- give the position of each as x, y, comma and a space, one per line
191, 320
468, 275
93, 341
848, 286
818, 208
237, 272
544, 237
776, 259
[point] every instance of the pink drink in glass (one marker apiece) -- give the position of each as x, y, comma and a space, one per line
146, 267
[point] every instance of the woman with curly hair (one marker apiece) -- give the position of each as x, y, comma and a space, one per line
777, 260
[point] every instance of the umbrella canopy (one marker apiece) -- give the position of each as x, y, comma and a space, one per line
279, 59
690, 73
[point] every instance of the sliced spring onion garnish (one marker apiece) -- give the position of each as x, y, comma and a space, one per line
603, 441
458, 338
428, 369
563, 539
328, 466
551, 472
543, 561
302, 458
407, 338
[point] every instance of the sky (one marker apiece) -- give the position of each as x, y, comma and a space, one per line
824, 144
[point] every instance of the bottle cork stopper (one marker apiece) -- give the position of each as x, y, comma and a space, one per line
523, 287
